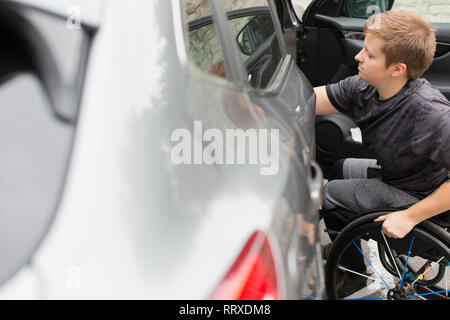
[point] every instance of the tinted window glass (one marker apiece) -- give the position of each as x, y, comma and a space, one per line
365, 8
300, 6
435, 11
253, 35
253, 27
38, 99
203, 43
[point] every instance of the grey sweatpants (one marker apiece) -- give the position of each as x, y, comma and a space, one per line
358, 194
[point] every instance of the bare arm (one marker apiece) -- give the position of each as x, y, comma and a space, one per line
323, 104
399, 224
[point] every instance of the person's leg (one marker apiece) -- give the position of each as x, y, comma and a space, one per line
350, 168
362, 195
353, 168
356, 195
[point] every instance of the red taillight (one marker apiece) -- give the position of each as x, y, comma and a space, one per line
252, 276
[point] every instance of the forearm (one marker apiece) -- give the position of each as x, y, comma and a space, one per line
431, 206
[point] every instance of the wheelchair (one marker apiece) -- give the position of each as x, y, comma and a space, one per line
365, 264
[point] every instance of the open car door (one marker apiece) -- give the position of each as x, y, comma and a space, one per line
330, 37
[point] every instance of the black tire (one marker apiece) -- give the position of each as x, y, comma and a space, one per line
419, 247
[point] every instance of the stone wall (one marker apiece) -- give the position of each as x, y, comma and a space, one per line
300, 6
432, 10
196, 9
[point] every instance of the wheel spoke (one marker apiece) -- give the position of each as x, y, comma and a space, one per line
428, 293
446, 281
406, 264
359, 274
392, 256
371, 265
374, 298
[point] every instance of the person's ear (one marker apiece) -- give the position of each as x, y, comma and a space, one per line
399, 69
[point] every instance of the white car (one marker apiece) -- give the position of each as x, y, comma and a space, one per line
99, 200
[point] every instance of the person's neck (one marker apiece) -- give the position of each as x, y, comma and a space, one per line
391, 88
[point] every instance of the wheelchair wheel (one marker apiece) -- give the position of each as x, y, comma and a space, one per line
364, 264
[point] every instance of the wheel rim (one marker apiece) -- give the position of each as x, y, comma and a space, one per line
382, 279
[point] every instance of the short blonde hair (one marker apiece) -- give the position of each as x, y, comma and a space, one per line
408, 37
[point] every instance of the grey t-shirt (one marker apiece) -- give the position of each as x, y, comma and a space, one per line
408, 133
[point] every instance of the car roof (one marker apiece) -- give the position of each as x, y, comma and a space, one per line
90, 10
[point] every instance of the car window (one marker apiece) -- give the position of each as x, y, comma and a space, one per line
365, 8
253, 27
202, 40
300, 6
435, 11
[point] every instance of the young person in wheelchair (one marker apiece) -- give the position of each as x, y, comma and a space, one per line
404, 122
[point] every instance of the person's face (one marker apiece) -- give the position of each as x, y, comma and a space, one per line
372, 61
